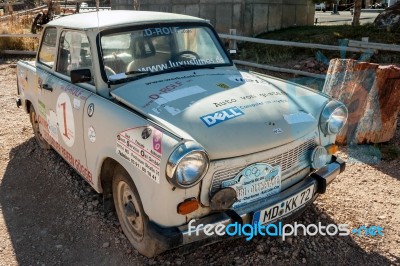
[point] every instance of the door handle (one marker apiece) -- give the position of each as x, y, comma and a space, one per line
47, 87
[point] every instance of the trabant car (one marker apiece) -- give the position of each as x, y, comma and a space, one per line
151, 111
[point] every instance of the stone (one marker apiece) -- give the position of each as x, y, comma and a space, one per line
106, 244
260, 248
371, 94
389, 19
310, 64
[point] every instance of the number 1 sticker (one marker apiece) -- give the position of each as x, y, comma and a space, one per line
65, 119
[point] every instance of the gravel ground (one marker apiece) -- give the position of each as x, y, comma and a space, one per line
50, 216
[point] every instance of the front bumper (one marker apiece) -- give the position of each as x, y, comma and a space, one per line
175, 237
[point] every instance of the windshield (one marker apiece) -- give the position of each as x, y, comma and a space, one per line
160, 49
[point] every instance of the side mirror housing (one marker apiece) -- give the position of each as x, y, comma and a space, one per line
80, 75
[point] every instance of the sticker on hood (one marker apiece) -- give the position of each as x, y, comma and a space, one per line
221, 116
142, 147
300, 117
178, 94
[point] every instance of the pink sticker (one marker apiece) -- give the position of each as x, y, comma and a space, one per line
157, 136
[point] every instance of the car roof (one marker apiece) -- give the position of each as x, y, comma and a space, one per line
105, 19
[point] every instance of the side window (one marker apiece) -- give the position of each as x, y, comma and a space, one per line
47, 53
74, 52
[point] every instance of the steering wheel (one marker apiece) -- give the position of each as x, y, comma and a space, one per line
114, 64
180, 56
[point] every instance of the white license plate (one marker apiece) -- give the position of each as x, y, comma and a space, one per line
284, 207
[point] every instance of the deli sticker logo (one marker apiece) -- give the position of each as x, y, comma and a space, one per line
221, 116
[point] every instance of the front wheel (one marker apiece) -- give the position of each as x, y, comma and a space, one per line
35, 126
131, 215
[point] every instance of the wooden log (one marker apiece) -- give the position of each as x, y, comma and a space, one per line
372, 95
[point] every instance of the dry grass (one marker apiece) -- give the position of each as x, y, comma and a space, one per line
331, 35
18, 25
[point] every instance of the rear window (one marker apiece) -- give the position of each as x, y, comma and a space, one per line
47, 53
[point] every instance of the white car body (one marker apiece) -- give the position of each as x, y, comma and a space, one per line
179, 141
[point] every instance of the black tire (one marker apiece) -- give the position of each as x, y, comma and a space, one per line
133, 220
36, 22
35, 127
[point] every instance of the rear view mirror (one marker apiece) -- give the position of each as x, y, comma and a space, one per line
80, 75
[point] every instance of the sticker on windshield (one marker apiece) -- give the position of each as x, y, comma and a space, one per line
160, 31
165, 31
191, 60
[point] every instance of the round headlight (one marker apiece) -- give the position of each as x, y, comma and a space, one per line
187, 165
333, 117
319, 157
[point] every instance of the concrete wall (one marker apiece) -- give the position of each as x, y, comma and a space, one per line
249, 17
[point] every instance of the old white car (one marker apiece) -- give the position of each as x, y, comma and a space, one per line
150, 109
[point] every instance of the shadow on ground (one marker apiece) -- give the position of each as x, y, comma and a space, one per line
41, 203
41, 209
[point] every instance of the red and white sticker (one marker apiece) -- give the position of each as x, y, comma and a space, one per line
142, 147
65, 119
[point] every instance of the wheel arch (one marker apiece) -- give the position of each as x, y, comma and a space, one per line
27, 106
106, 177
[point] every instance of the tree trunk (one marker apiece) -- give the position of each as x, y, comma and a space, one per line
371, 93
136, 4
356, 13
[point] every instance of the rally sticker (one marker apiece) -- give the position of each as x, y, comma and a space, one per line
42, 108
223, 85
77, 103
52, 125
221, 116
300, 117
256, 181
179, 94
91, 134
65, 119
142, 147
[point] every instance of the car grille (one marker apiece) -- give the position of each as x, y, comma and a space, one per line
287, 160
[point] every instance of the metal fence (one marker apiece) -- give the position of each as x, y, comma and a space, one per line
349, 45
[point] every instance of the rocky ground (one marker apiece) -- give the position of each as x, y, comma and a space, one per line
50, 216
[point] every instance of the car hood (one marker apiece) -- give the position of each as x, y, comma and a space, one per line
228, 112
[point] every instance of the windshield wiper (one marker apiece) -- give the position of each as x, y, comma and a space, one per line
136, 72
122, 77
